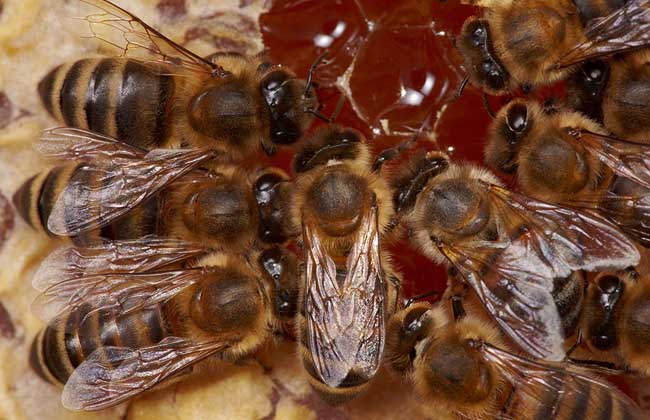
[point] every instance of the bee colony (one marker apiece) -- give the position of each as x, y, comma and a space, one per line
283, 209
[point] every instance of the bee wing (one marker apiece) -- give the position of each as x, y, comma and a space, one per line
345, 321
125, 292
134, 38
65, 143
625, 29
129, 256
541, 385
627, 159
112, 375
516, 282
98, 193
516, 290
568, 239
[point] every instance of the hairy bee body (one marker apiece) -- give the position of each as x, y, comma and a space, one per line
449, 366
342, 207
230, 302
223, 206
158, 94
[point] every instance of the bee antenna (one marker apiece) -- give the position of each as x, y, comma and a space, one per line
461, 88
335, 114
393, 152
488, 107
312, 69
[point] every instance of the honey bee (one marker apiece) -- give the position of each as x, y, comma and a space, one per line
587, 87
158, 94
615, 321
465, 367
124, 323
568, 159
115, 191
531, 43
510, 248
341, 207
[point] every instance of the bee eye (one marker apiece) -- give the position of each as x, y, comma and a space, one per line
517, 118
608, 284
478, 36
274, 81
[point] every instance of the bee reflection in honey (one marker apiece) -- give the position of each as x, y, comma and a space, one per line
530, 43
125, 322
566, 158
465, 366
341, 206
508, 247
158, 94
114, 191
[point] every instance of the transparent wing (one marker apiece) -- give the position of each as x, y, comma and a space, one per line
112, 375
98, 193
125, 292
65, 143
129, 256
627, 159
564, 387
514, 284
568, 238
626, 29
513, 276
134, 38
345, 320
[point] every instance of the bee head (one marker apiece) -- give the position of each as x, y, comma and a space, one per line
287, 100
485, 70
404, 331
281, 268
509, 128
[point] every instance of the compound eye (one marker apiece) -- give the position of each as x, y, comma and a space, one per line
478, 36
274, 81
608, 284
517, 118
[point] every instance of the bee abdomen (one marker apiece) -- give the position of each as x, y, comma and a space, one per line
568, 294
62, 346
36, 198
351, 386
121, 98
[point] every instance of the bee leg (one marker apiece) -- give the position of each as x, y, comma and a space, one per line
410, 301
488, 107
575, 345
395, 151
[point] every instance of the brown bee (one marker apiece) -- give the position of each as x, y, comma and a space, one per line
115, 191
158, 94
124, 323
586, 88
341, 207
530, 43
464, 366
567, 159
511, 249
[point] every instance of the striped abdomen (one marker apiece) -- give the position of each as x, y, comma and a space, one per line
121, 98
59, 348
36, 198
568, 294
565, 398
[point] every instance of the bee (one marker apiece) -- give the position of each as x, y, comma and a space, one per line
158, 94
568, 159
114, 191
614, 324
466, 367
124, 323
531, 43
509, 248
587, 87
341, 206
